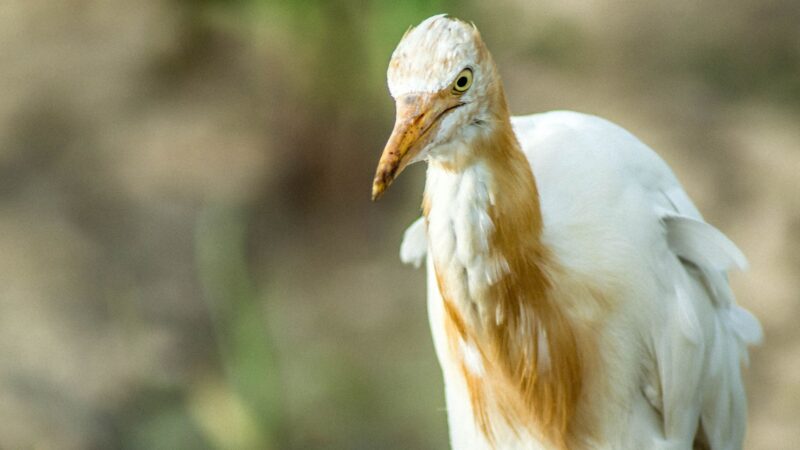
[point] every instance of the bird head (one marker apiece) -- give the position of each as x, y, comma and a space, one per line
446, 90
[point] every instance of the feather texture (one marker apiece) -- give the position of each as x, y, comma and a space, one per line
615, 215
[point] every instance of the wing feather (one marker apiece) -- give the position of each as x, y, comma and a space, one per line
415, 244
707, 253
702, 244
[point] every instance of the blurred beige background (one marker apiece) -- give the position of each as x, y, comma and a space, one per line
188, 254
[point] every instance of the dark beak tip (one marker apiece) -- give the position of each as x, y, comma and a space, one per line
378, 189
383, 178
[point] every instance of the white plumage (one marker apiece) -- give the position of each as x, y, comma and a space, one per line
628, 262
643, 231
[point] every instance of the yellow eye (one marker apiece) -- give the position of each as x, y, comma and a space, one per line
463, 81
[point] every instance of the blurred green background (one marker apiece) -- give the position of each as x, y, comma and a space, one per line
188, 254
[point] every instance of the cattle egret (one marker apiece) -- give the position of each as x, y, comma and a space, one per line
577, 299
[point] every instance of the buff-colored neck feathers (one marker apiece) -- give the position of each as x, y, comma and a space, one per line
484, 225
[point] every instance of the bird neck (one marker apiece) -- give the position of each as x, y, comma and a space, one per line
494, 274
484, 219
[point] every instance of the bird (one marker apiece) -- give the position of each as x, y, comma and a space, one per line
576, 296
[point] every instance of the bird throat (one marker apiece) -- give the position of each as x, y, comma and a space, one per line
513, 345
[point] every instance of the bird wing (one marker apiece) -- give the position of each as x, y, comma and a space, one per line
612, 208
706, 254
415, 244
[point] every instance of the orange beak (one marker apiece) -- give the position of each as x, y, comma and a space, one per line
417, 115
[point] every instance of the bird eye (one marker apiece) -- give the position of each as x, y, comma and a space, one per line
463, 81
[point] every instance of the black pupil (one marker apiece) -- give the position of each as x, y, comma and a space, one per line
461, 82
